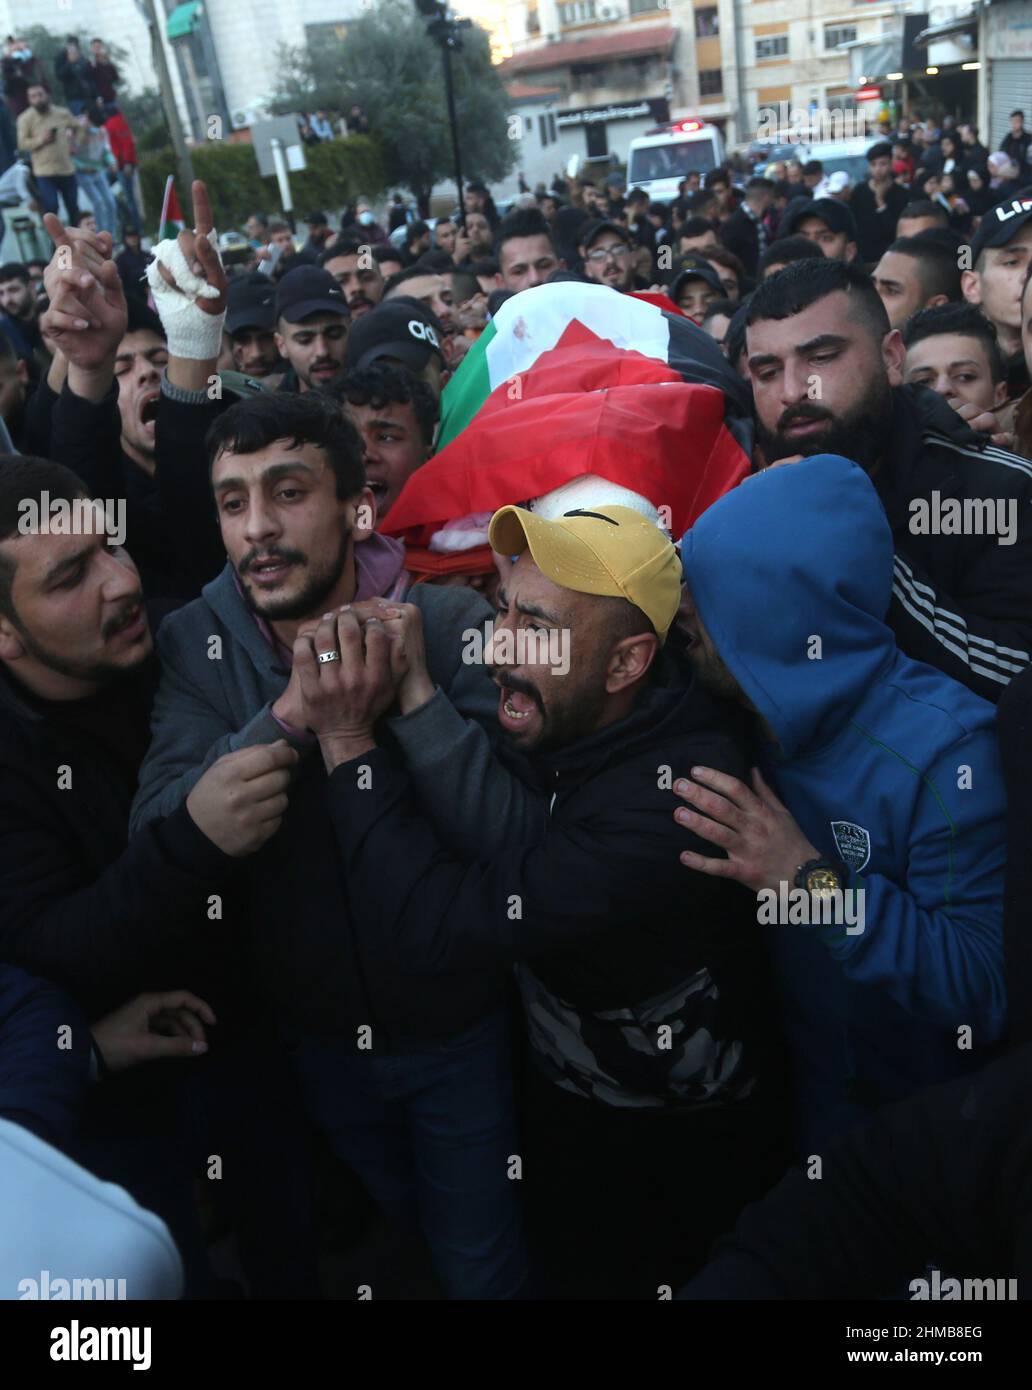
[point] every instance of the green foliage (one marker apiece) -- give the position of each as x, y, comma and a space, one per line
46, 46
338, 171
145, 114
389, 65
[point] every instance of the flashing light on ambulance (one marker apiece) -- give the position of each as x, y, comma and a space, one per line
659, 160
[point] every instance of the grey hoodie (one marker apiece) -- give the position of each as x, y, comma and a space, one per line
220, 677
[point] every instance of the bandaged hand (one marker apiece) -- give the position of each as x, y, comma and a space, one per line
189, 285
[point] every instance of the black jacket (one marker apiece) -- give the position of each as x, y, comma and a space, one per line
876, 228
1016, 146
944, 1177
171, 529
963, 603
601, 908
80, 903
42, 1085
75, 77
740, 234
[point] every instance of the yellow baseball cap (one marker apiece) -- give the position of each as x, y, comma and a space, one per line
608, 550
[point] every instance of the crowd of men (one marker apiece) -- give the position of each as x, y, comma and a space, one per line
59, 152
551, 971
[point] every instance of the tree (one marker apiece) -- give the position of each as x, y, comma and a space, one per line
390, 67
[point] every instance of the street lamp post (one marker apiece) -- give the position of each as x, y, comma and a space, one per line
446, 30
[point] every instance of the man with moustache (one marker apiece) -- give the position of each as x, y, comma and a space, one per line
251, 325
588, 905
410, 1086
80, 903
826, 371
357, 273
311, 327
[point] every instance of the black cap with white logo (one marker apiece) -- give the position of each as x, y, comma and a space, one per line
402, 328
308, 290
1000, 223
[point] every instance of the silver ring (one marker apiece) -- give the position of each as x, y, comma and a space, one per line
328, 656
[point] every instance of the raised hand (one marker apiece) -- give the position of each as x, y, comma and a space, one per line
202, 258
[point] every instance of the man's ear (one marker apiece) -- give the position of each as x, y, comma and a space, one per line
971, 286
21, 370
936, 300
11, 645
850, 251
362, 515
894, 355
999, 394
281, 343
499, 282
629, 661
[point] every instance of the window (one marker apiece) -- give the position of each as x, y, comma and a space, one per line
551, 128
776, 46
598, 145
711, 82
835, 34
707, 23
648, 6
577, 12
543, 130
533, 23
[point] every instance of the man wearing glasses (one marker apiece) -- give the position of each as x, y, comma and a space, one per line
607, 255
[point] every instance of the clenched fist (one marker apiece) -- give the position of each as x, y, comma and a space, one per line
240, 801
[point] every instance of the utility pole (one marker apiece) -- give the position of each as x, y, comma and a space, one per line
445, 28
185, 171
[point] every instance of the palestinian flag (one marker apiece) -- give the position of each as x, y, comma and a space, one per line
533, 321
581, 407
172, 222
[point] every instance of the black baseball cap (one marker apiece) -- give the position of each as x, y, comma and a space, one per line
594, 230
1000, 223
402, 328
835, 216
307, 290
317, 219
694, 268
251, 303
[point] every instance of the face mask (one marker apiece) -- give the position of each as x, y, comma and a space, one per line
365, 218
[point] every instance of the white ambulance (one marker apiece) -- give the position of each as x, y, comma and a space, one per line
658, 161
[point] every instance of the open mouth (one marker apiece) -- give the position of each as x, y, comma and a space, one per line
132, 624
149, 410
515, 708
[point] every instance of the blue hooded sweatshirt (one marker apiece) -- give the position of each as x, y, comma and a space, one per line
886, 764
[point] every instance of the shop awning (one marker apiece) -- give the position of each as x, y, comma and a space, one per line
184, 20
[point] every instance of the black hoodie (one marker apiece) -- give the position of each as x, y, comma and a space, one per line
612, 928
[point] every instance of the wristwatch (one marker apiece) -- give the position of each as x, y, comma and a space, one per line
821, 876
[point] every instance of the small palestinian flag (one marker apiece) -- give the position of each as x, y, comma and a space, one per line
533, 321
172, 222
584, 409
